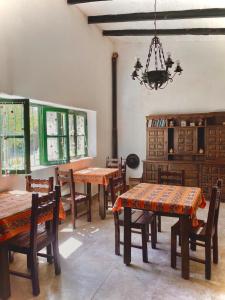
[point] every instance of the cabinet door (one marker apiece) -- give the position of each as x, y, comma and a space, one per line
157, 143
185, 140
215, 143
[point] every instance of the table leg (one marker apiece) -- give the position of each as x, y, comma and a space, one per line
185, 227
102, 210
4, 272
89, 201
127, 236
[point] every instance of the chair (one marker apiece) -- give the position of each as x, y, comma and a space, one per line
140, 221
65, 178
31, 243
39, 185
133, 181
204, 235
118, 163
170, 178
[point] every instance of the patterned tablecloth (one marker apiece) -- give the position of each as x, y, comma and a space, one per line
96, 175
15, 211
163, 198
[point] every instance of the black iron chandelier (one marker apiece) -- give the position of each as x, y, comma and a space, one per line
161, 76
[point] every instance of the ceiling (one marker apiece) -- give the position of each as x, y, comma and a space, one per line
134, 6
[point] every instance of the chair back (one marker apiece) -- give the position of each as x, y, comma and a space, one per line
65, 178
113, 162
117, 186
39, 185
214, 207
48, 204
171, 177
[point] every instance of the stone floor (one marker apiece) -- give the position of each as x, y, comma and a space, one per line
90, 270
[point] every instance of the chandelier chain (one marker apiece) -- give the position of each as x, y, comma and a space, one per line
155, 17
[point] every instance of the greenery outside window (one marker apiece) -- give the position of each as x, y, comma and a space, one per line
14, 136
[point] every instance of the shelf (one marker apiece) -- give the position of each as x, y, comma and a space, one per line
199, 154
165, 127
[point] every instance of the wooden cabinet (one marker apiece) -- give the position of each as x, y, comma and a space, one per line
185, 140
157, 143
173, 144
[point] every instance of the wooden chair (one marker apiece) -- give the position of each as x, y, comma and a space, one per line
39, 185
170, 178
204, 235
133, 181
65, 178
140, 221
31, 243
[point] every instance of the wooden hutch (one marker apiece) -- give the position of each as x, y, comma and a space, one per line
191, 142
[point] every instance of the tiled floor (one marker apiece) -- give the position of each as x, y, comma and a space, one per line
90, 270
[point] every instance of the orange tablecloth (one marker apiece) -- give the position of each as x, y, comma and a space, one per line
163, 198
15, 212
96, 175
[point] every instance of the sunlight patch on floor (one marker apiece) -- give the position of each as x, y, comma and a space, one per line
69, 247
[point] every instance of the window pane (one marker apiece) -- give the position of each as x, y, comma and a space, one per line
11, 119
34, 137
80, 145
62, 123
13, 154
56, 149
80, 125
72, 136
52, 123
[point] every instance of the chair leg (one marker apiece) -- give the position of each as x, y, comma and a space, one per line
153, 233
215, 248
173, 249
73, 214
117, 238
208, 259
144, 245
49, 252
99, 191
193, 245
159, 224
34, 275
11, 256
147, 231
28, 262
56, 256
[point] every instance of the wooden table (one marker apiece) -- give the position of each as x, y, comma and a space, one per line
167, 200
99, 176
15, 211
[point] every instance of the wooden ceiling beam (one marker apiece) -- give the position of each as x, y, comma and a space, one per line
161, 15
149, 32
83, 1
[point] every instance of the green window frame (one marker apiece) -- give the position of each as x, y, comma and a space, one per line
54, 140
14, 136
76, 136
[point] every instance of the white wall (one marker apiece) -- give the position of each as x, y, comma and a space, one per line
201, 88
49, 52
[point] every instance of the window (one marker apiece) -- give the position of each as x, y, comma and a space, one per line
14, 136
55, 136
34, 134
78, 134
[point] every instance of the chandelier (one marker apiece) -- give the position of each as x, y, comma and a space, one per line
159, 77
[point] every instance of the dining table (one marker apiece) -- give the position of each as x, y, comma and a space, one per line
98, 176
15, 213
165, 200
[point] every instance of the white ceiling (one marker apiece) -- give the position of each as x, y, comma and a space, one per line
132, 6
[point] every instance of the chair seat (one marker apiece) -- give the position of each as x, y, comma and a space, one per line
79, 197
138, 218
21, 242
